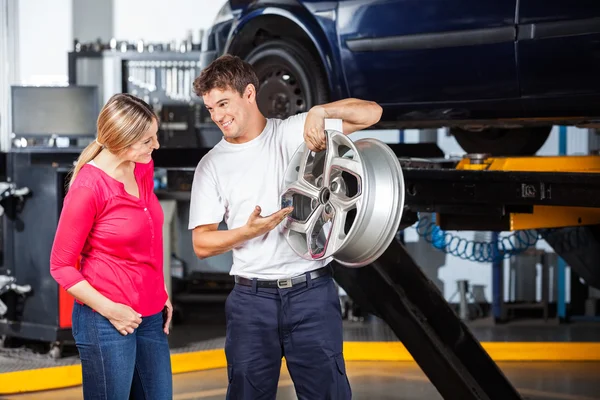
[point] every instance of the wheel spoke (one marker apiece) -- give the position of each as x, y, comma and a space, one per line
309, 169
338, 235
331, 155
304, 188
302, 167
318, 233
303, 197
343, 204
308, 226
340, 161
348, 165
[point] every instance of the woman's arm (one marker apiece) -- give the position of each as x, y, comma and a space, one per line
75, 223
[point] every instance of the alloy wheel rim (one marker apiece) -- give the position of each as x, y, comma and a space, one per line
348, 200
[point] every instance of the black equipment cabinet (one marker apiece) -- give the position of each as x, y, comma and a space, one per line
44, 313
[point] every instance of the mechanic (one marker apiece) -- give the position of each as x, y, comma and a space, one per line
282, 305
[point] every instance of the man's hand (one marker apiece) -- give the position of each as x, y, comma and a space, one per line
258, 225
314, 129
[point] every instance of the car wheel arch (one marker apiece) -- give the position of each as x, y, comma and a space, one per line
259, 26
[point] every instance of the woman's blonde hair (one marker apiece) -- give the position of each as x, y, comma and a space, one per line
122, 122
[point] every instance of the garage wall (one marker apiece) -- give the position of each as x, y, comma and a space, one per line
93, 20
9, 61
44, 39
46, 29
577, 142
161, 21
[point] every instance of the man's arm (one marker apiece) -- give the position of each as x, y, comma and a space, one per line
355, 114
206, 207
209, 241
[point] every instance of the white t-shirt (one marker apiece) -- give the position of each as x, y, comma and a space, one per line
232, 179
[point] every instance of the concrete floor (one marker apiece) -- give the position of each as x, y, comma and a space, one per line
392, 380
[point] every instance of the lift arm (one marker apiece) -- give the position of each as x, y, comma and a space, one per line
559, 197
506, 194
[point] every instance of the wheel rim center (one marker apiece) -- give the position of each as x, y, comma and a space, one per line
324, 195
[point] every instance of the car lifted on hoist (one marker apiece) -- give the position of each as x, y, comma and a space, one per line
499, 75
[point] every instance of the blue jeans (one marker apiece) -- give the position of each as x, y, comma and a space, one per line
117, 367
302, 324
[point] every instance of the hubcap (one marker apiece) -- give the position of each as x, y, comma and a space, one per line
347, 200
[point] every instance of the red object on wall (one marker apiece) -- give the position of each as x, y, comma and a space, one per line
65, 305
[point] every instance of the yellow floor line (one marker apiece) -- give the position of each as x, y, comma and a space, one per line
499, 351
66, 376
198, 361
32, 380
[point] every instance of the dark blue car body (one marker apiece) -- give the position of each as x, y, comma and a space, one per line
434, 63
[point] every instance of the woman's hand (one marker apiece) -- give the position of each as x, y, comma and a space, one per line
169, 314
124, 318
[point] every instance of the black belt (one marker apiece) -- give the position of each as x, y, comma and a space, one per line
284, 283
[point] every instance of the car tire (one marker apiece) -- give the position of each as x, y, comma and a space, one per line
503, 142
291, 80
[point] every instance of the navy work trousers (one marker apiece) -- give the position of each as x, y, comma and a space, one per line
303, 324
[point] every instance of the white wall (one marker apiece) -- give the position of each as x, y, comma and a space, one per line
92, 20
161, 21
45, 38
9, 61
46, 31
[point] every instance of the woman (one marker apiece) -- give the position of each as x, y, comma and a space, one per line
112, 222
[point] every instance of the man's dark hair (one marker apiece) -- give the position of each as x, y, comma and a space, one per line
226, 72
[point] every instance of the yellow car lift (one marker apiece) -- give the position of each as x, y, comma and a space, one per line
542, 216
506, 193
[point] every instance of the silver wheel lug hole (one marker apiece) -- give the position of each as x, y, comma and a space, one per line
328, 208
314, 203
334, 186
